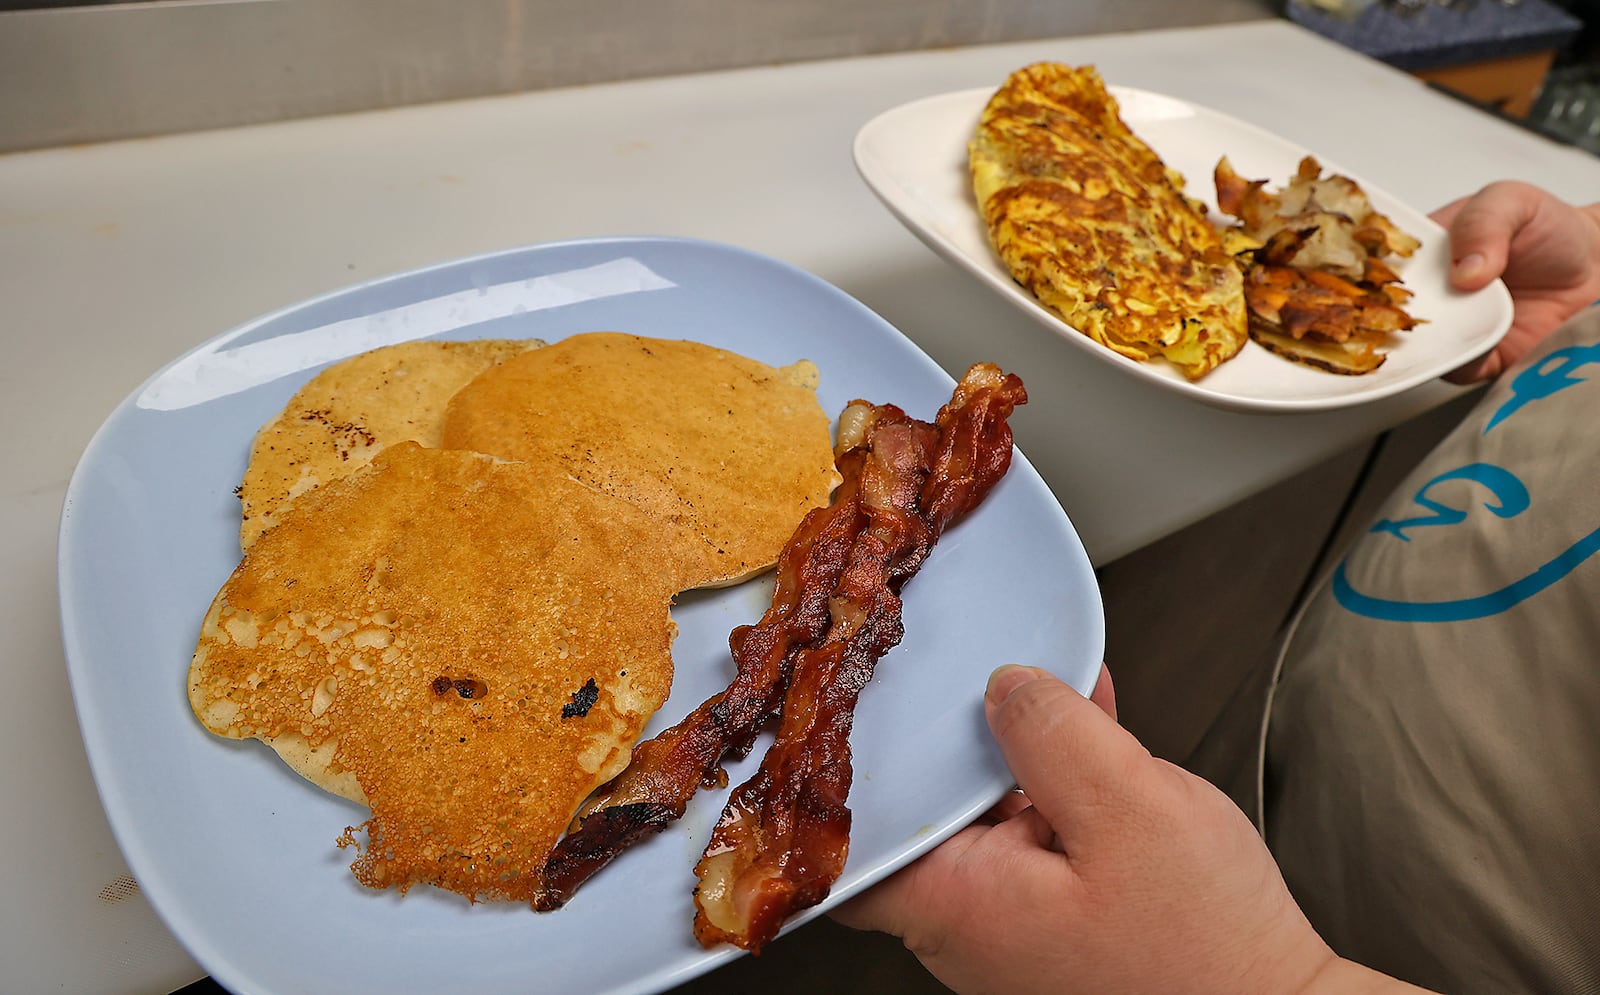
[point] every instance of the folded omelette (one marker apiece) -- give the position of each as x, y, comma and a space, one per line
1091, 221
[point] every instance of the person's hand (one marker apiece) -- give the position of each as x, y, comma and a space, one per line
1546, 251
1124, 874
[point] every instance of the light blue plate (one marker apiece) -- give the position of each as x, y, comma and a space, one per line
237, 853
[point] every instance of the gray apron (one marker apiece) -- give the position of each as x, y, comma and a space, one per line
1428, 765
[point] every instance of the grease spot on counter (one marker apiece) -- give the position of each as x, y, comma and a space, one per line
121, 888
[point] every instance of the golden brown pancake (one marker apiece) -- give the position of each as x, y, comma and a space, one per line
473, 644
351, 411
725, 452
1087, 217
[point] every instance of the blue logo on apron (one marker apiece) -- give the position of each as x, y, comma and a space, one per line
1508, 498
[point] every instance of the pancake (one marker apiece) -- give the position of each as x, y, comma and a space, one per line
467, 645
1086, 217
351, 411
726, 453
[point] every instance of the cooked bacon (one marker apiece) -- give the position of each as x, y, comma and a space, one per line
974, 444
968, 450
665, 771
783, 837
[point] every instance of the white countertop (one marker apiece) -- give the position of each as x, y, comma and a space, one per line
116, 258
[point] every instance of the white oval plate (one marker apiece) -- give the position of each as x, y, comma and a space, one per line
237, 853
914, 158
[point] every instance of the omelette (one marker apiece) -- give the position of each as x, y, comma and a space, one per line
1088, 218
349, 412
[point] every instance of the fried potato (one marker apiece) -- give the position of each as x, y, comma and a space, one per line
1333, 225
1087, 217
1318, 288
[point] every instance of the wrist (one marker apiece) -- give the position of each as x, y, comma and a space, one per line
1345, 977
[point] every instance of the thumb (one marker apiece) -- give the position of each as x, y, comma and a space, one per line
1482, 228
1069, 757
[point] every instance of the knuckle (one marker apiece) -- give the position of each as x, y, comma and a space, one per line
1034, 706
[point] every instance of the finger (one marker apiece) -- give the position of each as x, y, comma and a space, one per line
1445, 215
911, 895
1482, 229
1104, 694
1028, 828
925, 898
1005, 808
1071, 758
881, 908
1485, 367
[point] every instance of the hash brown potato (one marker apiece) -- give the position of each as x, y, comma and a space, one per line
1318, 285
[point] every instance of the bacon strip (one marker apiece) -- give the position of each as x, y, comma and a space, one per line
783, 837
666, 770
970, 449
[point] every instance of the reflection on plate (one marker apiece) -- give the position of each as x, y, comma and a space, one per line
914, 157
237, 854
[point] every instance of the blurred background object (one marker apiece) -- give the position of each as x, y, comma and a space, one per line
72, 73
1568, 105
1349, 10
1496, 53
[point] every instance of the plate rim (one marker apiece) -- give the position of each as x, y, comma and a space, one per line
164, 896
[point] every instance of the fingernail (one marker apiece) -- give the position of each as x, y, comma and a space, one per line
1468, 266
1007, 679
